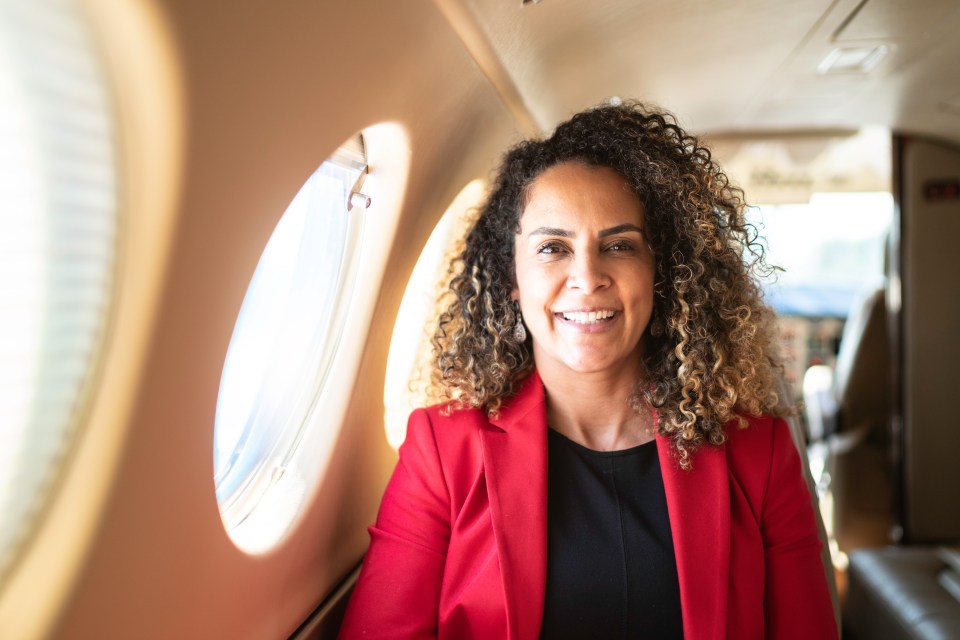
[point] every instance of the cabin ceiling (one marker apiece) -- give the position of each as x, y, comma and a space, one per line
723, 67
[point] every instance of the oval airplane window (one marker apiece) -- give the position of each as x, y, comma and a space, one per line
279, 357
410, 348
58, 245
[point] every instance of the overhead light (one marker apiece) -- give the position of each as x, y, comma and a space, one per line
852, 59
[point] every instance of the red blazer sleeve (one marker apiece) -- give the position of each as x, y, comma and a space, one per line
398, 592
797, 601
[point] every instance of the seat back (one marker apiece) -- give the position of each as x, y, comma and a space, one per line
861, 385
861, 472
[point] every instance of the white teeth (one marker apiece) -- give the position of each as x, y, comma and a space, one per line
587, 317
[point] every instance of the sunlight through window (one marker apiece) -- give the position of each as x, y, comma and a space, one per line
410, 346
58, 234
279, 357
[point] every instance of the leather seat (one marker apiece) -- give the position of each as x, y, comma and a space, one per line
902, 593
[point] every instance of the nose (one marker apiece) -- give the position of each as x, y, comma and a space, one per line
587, 274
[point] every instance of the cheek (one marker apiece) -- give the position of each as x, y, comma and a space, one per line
527, 293
645, 293
525, 280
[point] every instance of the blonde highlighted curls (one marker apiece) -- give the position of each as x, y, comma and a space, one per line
710, 347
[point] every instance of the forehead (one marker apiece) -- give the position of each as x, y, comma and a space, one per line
581, 194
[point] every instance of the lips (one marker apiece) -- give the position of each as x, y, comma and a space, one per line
587, 317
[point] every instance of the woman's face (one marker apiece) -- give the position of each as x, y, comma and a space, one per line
584, 271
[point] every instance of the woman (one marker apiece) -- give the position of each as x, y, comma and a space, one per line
607, 460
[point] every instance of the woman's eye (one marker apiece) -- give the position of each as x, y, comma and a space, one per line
620, 246
550, 248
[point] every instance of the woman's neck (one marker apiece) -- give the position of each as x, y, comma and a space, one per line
594, 410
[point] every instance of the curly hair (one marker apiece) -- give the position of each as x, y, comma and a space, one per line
710, 353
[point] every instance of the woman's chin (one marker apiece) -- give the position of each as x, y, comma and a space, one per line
597, 365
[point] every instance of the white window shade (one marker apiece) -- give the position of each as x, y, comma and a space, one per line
58, 237
279, 357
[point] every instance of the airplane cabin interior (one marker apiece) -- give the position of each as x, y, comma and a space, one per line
223, 225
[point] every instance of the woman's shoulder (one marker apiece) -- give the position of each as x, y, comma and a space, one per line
444, 441
454, 421
450, 416
750, 431
757, 445
448, 425
758, 440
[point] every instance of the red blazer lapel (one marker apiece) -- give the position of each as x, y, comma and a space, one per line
698, 502
515, 464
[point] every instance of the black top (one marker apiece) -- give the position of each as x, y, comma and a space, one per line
611, 571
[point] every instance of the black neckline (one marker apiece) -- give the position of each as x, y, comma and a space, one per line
601, 454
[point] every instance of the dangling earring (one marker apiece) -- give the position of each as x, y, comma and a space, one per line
519, 331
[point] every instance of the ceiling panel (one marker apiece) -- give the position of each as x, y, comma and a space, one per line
731, 66
895, 19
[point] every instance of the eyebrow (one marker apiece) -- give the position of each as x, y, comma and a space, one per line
620, 228
563, 233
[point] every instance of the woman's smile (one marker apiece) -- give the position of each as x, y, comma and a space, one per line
588, 322
587, 317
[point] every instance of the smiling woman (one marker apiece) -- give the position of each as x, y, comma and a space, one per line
708, 350
584, 280
604, 349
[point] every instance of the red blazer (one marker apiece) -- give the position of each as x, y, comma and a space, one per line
459, 546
